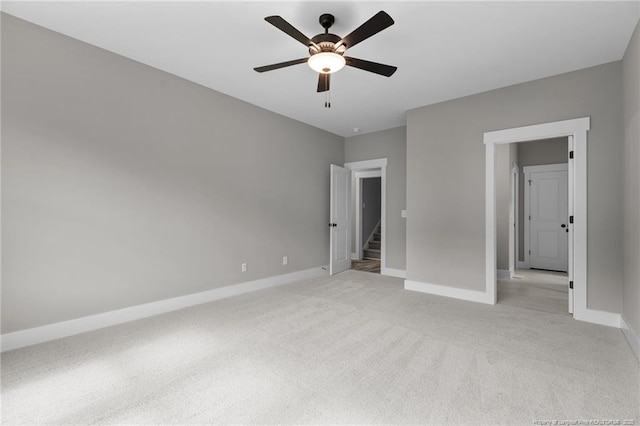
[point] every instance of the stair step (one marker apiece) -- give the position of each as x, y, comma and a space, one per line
372, 254
374, 245
376, 236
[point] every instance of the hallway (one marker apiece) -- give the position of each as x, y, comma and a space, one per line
535, 289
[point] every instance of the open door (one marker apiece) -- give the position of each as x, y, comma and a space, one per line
339, 220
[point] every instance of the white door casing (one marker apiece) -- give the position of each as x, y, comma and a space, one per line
339, 220
548, 219
358, 176
577, 130
370, 165
570, 212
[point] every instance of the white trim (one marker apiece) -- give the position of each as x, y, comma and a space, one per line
454, 292
609, 319
505, 273
560, 167
550, 130
368, 165
514, 238
578, 166
369, 174
490, 245
32, 336
522, 265
357, 212
527, 170
354, 256
400, 273
632, 338
571, 241
356, 177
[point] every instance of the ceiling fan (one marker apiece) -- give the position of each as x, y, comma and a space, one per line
327, 50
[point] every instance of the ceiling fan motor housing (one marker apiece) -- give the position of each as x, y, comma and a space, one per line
326, 43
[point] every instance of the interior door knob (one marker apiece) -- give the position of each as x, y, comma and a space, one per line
563, 225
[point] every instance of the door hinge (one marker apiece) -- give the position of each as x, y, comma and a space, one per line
529, 182
571, 155
529, 251
571, 285
529, 217
571, 219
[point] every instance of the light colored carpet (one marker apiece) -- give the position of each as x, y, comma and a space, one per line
532, 289
355, 348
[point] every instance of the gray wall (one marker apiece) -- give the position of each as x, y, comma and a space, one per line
631, 78
536, 153
390, 144
446, 169
506, 156
123, 184
371, 206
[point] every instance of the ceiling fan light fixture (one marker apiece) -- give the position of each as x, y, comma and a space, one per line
326, 62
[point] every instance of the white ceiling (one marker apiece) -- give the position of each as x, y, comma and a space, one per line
443, 50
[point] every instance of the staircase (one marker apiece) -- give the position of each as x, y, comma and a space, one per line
372, 249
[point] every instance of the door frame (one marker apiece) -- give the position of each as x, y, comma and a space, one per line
515, 239
369, 166
577, 173
359, 176
527, 170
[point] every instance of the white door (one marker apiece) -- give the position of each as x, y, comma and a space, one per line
549, 219
339, 220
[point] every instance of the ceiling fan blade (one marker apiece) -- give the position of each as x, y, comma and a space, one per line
323, 82
281, 65
284, 26
377, 23
382, 69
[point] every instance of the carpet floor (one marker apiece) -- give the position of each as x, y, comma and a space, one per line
353, 348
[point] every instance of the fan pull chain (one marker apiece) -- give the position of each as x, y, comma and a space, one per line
327, 99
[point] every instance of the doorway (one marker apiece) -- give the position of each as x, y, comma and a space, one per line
576, 131
368, 200
368, 221
535, 207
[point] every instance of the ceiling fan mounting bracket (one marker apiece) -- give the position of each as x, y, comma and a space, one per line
326, 20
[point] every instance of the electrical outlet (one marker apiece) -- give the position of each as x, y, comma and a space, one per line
244, 267
285, 260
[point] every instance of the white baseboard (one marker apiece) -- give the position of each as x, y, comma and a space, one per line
504, 273
522, 265
32, 336
631, 336
354, 256
400, 273
454, 292
609, 319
